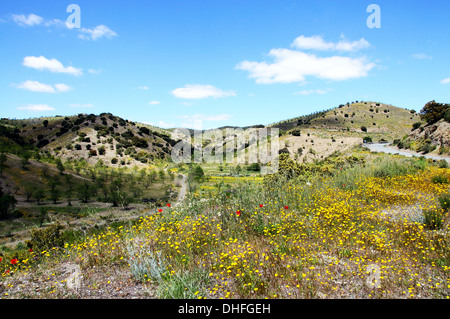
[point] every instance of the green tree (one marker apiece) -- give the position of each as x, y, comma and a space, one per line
39, 195
3, 160
196, 173
7, 203
29, 191
60, 166
25, 160
55, 194
433, 111
86, 191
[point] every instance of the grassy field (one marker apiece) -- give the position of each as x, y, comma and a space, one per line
377, 228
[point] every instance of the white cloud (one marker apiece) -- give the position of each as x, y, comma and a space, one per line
82, 105
30, 20
197, 91
154, 102
308, 92
445, 81
61, 87
55, 22
96, 33
293, 66
143, 87
422, 56
36, 86
94, 71
165, 125
318, 43
36, 107
53, 65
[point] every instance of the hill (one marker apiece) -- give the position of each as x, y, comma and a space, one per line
107, 137
318, 135
376, 117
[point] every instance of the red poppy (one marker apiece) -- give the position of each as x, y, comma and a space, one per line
30, 250
286, 207
168, 205
160, 210
14, 261
261, 205
1, 259
7, 271
238, 213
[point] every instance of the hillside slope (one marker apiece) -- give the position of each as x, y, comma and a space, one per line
376, 117
114, 140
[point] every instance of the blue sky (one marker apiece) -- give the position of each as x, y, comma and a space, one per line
234, 62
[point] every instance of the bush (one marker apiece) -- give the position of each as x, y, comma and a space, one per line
444, 201
101, 150
433, 219
45, 239
7, 203
447, 116
439, 179
363, 128
425, 147
184, 285
416, 125
443, 163
367, 139
255, 167
145, 265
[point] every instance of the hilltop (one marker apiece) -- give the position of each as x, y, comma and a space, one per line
91, 137
376, 117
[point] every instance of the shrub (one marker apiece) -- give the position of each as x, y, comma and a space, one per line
425, 147
145, 265
45, 239
416, 125
433, 219
185, 285
444, 201
443, 163
363, 128
101, 150
439, 179
255, 167
447, 115
7, 203
367, 139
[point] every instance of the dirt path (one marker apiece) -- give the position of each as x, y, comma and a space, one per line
183, 190
387, 148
